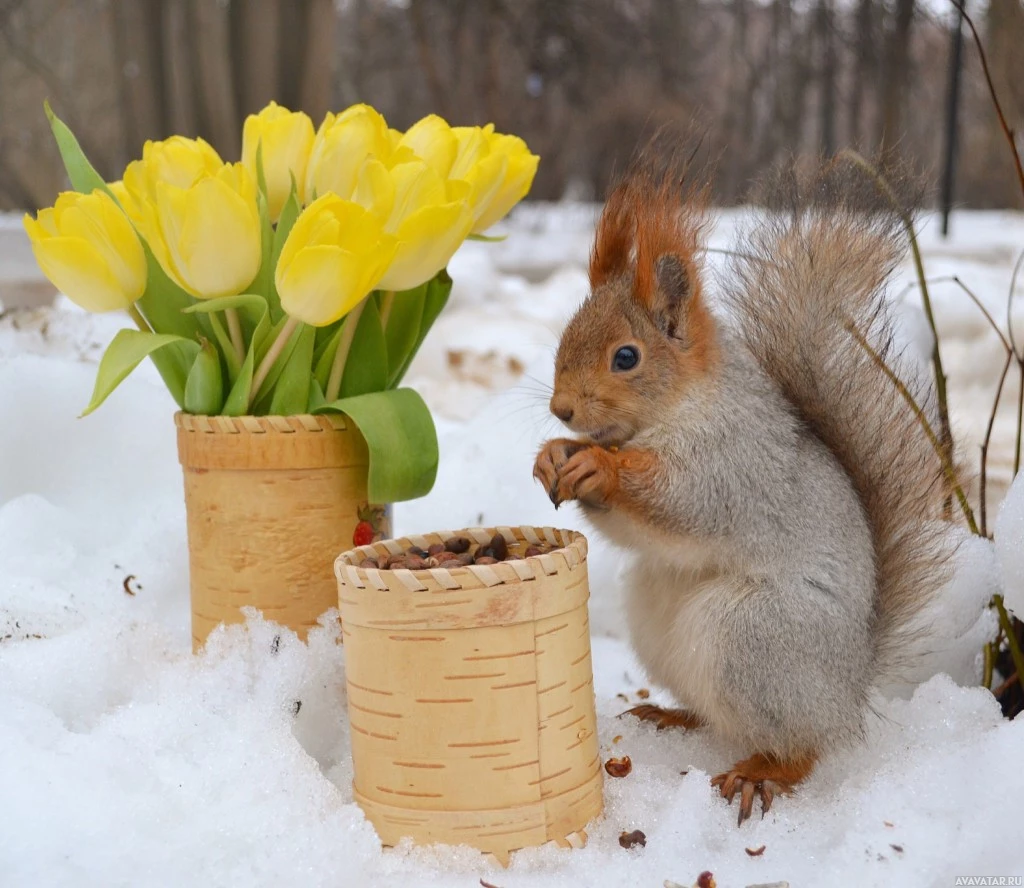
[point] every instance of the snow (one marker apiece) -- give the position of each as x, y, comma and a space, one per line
127, 760
1009, 541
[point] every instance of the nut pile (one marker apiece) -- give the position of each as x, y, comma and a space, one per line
459, 551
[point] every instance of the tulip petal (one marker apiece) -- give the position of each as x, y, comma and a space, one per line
322, 284
427, 240
77, 269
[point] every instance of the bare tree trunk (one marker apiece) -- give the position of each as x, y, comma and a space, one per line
256, 59
291, 23
316, 94
178, 80
896, 77
863, 71
215, 85
827, 77
428, 59
136, 25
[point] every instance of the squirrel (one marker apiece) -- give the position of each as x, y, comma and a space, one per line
781, 497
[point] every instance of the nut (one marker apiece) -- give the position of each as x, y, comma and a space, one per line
394, 560
417, 551
435, 549
486, 559
458, 545
618, 767
706, 880
632, 839
533, 551
416, 562
368, 563
465, 559
499, 547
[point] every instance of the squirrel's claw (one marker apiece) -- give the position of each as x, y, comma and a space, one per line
764, 776
665, 718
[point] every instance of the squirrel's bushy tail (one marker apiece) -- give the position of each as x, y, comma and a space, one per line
814, 263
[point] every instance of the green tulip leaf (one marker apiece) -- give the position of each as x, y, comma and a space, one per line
125, 352
401, 439
261, 400
204, 389
227, 348
366, 367
237, 403
291, 391
403, 328
438, 291
82, 174
316, 396
253, 307
324, 359
289, 213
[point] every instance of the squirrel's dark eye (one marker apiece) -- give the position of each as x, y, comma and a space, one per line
626, 358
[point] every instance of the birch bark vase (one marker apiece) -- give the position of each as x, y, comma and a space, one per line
471, 695
270, 501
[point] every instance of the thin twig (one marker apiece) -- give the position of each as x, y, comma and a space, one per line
1011, 636
1006, 685
940, 375
947, 465
995, 98
984, 311
983, 481
989, 653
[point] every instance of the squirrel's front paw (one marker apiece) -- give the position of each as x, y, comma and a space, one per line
571, 470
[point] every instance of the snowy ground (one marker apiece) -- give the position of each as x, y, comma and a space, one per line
124, 760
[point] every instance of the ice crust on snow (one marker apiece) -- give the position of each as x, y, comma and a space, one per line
128, 761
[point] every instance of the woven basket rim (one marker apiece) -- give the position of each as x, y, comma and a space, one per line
569, 554
259, 425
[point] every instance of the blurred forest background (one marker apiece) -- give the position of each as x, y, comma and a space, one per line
581, 80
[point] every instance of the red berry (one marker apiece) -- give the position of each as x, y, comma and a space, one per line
364, 534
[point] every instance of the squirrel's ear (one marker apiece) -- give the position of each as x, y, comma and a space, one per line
673, 293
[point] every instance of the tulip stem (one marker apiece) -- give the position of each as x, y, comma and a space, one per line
140, 321
273, 353
387, 301
348, 334
235, 330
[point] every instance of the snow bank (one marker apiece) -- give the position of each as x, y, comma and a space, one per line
1009, 538
126, 760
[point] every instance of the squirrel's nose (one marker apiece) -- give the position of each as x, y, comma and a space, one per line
561, 408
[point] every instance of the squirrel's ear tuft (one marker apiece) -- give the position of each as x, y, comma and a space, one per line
613, 240
669, 302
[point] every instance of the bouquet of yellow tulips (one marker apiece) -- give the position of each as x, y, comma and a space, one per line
300, 279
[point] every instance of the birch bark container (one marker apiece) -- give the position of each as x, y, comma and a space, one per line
270, 501
471, 694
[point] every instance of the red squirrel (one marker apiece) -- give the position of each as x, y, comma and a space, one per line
781, 497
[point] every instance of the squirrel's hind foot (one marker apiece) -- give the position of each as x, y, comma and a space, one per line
763, 775
666, 718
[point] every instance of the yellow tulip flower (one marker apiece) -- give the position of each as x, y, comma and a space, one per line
206, 236
517, 166
88, 249
334, 256
432, 140
287, 137
341, 147
177, 161
429, 216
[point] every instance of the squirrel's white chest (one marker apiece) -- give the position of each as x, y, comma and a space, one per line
672, 620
